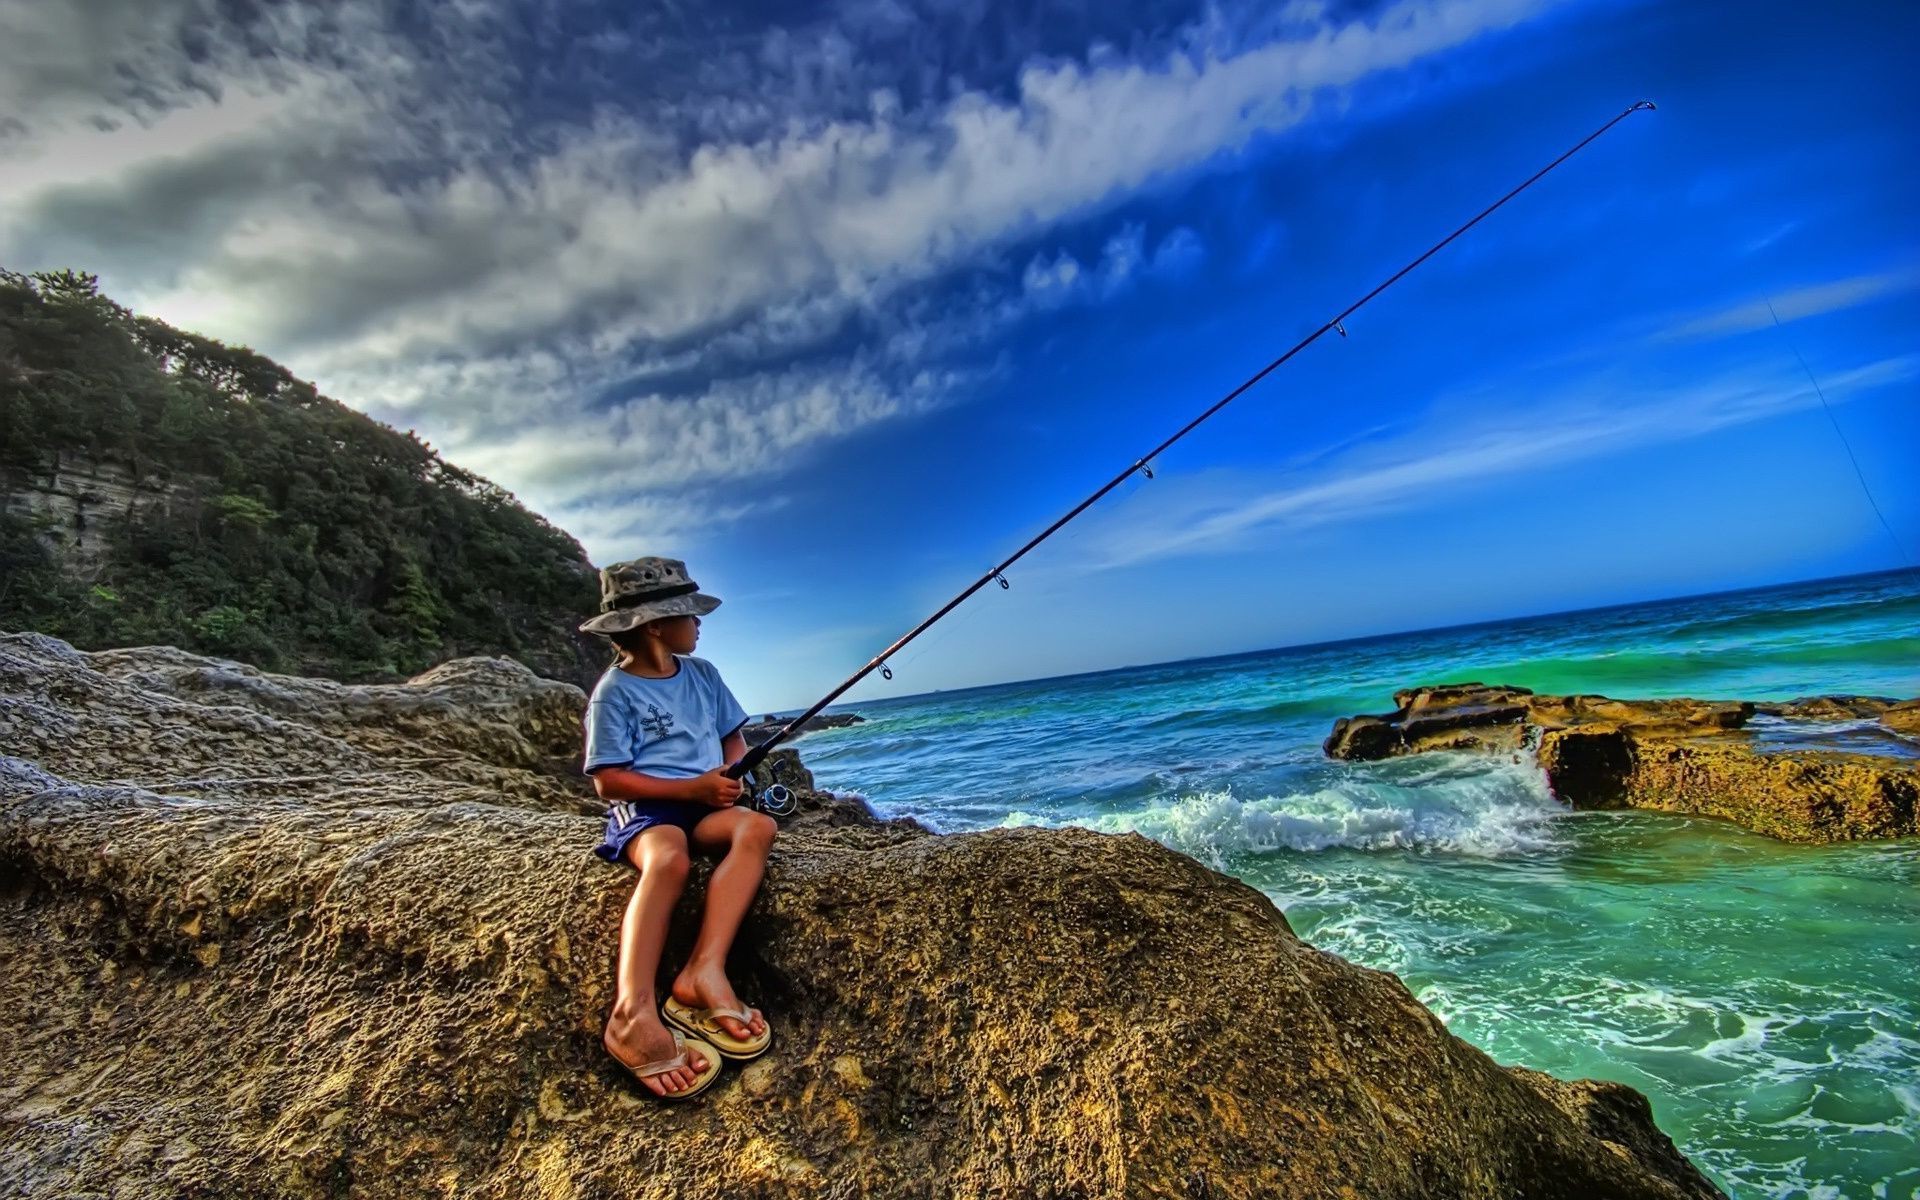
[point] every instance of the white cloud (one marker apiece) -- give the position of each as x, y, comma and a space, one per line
734, 428
848, 207
1796, 304
1179, 253
368, 206
1052, 281
610, 525
1226, 511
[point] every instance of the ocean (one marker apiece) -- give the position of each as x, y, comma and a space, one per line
1765, 996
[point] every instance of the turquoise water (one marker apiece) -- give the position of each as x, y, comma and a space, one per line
1765, 996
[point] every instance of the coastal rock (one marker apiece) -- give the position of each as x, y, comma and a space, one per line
157, 716
759, 731
347, 970
1812, 777
1903, 718
160, 717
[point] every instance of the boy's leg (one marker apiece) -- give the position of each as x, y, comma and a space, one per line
744, 836
634, 1034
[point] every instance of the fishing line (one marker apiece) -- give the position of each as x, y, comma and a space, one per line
968, 618
966, 621
1144, 464
1899, 547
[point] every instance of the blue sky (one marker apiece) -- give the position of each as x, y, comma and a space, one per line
843, 302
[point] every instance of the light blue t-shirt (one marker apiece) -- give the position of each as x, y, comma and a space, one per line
669, 728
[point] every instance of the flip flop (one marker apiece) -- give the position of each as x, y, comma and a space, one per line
681, 1044
702, 1023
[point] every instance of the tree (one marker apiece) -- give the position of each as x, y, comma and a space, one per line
276, 525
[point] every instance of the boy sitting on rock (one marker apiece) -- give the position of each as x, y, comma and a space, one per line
661, 727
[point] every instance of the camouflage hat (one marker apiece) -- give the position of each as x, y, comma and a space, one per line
646, 589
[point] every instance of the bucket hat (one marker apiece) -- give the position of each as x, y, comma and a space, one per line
646, 589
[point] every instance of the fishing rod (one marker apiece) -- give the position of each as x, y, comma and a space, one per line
778, 800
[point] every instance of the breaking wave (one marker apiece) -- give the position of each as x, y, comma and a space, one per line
1459, 807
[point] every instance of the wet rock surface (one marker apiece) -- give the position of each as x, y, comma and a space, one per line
267, 937
1821, 769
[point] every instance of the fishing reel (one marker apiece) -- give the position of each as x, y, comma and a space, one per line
776, 800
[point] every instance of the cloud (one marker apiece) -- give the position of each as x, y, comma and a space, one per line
1226, 511
582, 266
1051, 281
1180, 253
658, 466
1783, 229
610, 220
1797, 304
1056, 280
734, 428
609, 526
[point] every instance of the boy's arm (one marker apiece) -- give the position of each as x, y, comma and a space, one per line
733, 747
713, 788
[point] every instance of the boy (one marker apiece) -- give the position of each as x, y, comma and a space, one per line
661, 727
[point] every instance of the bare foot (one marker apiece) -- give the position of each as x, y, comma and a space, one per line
707, 987
640, 1039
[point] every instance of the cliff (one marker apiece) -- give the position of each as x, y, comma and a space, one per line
280, 937
1824, 769
75, 503
158, 486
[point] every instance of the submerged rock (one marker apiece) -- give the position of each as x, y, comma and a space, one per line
1823, 769
358, 947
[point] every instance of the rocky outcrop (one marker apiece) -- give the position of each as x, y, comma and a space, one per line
155, 717
759, 731
77, 501
1825, 769
349, 942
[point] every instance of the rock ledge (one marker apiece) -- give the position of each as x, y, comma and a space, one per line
269, 937
1824, 769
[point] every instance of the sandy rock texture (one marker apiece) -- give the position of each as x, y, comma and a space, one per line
1823, 769
350, 942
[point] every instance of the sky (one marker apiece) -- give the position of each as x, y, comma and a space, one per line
843, 302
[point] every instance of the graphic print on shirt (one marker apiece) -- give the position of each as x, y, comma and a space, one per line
657, 723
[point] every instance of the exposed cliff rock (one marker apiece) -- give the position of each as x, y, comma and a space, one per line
1824, 769
77, 500
268, 937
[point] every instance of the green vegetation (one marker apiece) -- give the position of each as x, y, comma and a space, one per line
276, 526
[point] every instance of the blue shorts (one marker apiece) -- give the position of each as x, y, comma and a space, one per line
630, 818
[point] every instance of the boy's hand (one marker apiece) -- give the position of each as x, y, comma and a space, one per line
715, 789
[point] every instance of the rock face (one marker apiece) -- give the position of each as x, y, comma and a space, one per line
1826, 769
268, 937
80, 499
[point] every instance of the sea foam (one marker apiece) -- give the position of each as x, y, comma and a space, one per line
1462, 807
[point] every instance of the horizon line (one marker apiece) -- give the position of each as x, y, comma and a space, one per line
1366, 637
